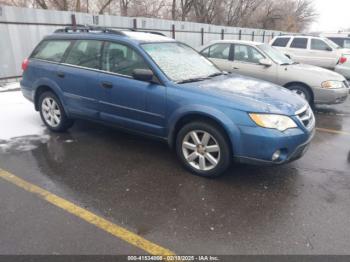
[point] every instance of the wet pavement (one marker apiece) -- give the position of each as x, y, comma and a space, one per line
299, 208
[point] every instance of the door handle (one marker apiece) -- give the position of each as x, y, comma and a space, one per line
107, 84
60, 74
235, 68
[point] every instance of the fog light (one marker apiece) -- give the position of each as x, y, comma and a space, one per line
276, 155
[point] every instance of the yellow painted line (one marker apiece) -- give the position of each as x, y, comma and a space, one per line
332, 131
88, 216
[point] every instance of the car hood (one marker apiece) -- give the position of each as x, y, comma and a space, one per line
314, 72
250, 94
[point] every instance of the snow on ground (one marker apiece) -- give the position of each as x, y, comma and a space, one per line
20, 125
10, 86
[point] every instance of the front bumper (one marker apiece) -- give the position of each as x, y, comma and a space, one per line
330, 96
258, 148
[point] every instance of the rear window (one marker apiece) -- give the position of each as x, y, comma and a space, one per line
281, 41
299, 43
52, 50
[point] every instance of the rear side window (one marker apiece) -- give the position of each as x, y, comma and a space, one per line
299, 43
121, 59
51, 50
317, 44
85, 53
281, 41
219, 51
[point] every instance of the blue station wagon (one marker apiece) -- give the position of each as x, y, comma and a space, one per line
151, 84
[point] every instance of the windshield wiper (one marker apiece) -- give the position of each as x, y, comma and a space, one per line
196, 79
190, 80
217, 74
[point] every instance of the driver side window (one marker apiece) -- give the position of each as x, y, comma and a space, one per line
121, 59
247, 54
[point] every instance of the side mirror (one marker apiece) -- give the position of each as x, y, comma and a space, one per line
329, 49
143, 75
265, 62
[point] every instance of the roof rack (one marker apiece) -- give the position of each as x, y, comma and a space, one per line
87, 29
150, 32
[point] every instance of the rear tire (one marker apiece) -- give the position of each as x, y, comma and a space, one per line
203, 148
302, 91
52, 112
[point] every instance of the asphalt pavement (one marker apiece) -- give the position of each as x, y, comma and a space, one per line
137, 183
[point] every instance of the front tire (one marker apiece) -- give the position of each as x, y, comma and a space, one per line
52, 112
203, 149
302, 91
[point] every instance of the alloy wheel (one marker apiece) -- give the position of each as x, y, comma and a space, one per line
201, 150
51, 112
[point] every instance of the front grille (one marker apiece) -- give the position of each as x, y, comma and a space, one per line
306, 117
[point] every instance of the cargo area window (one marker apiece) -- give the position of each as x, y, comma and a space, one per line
281, 41
51, 50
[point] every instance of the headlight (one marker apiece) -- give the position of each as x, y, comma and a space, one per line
279, 122
332, 84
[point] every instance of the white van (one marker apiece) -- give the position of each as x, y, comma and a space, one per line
318, 51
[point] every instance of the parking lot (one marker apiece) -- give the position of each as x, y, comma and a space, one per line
137, 184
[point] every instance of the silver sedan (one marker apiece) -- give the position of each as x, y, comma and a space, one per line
315, 84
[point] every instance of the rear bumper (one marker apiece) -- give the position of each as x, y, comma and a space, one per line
27, 92
330, 96
343, 70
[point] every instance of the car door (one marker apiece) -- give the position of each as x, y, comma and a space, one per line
130, 103
321, 54
219, 54
246, 62
78, 78
298, 50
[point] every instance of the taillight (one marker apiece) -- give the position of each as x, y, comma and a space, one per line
25, 64
342, 60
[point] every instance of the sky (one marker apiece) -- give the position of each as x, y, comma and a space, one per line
333, 15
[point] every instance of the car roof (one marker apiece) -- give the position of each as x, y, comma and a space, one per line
109, 34
236, 42
301, 36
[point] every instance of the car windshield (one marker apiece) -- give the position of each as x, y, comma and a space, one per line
275, 55
181, 63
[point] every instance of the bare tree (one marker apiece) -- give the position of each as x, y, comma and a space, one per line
205, 10
287, 15
124, 5
186, 6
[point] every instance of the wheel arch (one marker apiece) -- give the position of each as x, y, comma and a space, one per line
228, 128
295, 83
44, 85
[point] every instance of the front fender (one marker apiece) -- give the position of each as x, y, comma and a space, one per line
204, 111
